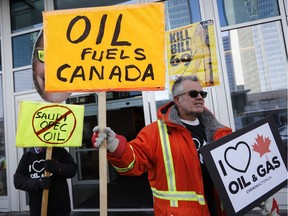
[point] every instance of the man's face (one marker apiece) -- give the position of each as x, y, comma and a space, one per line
39, 76
189, 107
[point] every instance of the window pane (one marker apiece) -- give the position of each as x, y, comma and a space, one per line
22, 49
3, 173
69, 4
238, 11
23, 80
25, 14
257, 70
182, 12
0, 58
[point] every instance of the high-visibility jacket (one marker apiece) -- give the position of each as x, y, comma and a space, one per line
174, 171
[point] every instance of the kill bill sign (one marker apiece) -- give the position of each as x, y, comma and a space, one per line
247, 166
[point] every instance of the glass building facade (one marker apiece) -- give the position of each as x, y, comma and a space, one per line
251, 37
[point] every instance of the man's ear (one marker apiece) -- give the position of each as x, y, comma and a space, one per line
177, 100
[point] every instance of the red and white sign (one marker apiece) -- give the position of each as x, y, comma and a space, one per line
247, 166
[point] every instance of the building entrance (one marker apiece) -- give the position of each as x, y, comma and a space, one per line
126, 117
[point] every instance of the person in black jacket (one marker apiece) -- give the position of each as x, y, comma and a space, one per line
29, 177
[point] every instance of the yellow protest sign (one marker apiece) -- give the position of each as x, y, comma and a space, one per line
105, 48
191, 50
48, 125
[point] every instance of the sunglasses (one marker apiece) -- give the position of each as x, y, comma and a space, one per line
194, 94
40, 55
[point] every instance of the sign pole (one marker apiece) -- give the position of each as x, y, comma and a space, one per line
46, 191
102, 155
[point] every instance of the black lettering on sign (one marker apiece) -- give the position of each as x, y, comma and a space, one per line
132, 73
86, 30
69, 72
101, 30
115, 41
54, 124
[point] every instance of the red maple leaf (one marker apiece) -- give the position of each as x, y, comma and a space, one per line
262, 145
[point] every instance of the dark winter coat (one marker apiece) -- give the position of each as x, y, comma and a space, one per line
31, 169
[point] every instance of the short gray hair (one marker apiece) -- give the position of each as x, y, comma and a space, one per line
177, 88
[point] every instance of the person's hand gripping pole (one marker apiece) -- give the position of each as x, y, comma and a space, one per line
105, 137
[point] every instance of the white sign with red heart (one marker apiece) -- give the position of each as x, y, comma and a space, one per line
249, 166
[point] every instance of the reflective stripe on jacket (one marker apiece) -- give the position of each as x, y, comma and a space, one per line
172, 194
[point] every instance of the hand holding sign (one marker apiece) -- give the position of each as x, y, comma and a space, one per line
98, 138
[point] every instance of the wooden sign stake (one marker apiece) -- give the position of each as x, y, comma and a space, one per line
102, 155
46, 191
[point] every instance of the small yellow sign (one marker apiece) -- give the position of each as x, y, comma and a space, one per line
191, 50
48, 125
105, 48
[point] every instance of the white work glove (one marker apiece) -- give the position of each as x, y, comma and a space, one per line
99, 138
270, 207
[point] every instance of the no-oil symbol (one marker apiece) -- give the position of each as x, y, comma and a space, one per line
54, 124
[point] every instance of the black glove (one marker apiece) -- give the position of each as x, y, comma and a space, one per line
44, 182
51, 166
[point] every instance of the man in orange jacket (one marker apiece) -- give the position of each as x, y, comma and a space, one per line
168, 150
